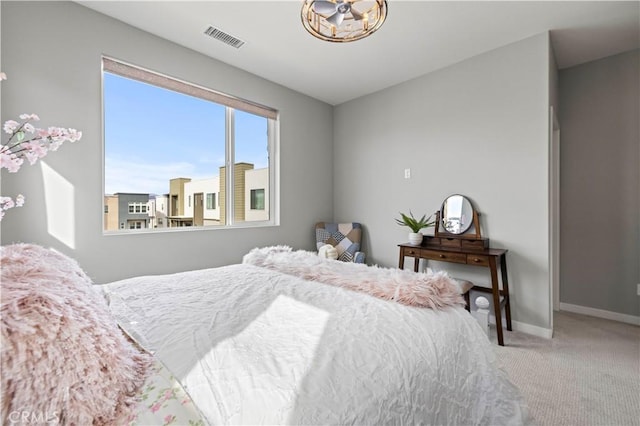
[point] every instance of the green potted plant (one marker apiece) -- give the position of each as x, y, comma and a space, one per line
415, 237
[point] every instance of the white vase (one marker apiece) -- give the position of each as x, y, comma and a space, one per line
415, 238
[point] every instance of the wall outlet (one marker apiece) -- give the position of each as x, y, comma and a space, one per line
407, 173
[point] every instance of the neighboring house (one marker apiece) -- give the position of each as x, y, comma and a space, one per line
133, 211
239, 186
111, 213
159, 210
201, 201
177, 203
256, 194
126, 211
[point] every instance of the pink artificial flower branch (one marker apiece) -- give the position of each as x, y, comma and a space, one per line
39, 144
17, 148
7, 203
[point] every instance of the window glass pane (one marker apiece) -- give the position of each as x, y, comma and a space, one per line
164, 147
257, 199
211, 201
166, 144
252, 166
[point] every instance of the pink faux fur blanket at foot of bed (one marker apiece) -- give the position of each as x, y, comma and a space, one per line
435, 291
64, 359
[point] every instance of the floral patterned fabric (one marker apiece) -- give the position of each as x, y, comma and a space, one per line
165, 402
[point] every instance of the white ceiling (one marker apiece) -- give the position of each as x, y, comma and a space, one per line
417, 38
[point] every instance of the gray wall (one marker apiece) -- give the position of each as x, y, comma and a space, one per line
479, 128
600, 184
51, 54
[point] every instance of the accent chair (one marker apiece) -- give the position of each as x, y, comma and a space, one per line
345, 237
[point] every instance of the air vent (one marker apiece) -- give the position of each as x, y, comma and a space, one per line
218, 34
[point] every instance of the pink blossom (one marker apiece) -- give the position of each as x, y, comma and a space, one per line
55, 132
169, 418
3, 76
28, 127
8, 203
33, 117
10, 161
10, 126
156, 407
54, 145
31, 157
35, 150
167, 394
74, 135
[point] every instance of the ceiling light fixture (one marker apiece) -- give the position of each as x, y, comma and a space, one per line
342, 21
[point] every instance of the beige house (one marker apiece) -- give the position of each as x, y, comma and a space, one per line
177, 216
110, 212
256, 195
202, 202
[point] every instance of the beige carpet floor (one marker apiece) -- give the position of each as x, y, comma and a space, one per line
588, 374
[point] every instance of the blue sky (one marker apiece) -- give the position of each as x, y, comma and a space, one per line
153, 135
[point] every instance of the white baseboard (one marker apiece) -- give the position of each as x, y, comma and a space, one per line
600, 313
534, 330
523, 327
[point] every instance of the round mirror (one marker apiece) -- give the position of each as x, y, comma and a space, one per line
456, 214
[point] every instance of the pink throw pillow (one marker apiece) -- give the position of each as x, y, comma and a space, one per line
64, 359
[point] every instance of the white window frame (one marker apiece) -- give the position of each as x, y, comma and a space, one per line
231, 103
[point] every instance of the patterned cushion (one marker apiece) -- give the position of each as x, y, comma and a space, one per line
345, 237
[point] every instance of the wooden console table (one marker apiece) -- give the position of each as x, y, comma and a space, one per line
476, 256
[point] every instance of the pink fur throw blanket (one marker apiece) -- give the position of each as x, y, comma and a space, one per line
64, 359
435, 291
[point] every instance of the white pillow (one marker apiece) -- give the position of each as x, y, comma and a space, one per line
328, 251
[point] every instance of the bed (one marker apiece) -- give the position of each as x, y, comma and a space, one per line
274, 341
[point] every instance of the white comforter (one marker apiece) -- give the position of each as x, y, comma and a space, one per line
254, 346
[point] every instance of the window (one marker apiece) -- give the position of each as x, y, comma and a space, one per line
106, 208
137, 208
211, 201
190, 141
135, 224
257, 199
